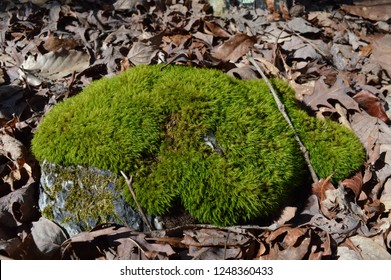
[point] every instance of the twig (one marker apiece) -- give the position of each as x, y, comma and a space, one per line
140, 209
281, 108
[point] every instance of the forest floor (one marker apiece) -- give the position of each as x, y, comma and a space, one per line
336, 57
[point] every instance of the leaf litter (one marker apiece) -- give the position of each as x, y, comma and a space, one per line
334, 57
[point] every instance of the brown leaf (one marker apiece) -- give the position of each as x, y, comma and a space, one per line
215, 29
375, 13
354, 183
372, 104
115, 242
235, 47
53, 44
141, 53
381, 52
320, 188
53, 65
13, 149
371, 132
323, 95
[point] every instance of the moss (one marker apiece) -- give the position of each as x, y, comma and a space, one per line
84, 194
217, 144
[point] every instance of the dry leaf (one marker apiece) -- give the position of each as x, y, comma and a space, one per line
323, 95
381, 51
53, 44
235, 47
13, 149
370, 250
375, 13
243, 73
48, 237
215, 29
53, 65
354, 183
141, 53
372, 104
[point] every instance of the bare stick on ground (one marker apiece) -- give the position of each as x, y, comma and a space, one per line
140, 209
281, 108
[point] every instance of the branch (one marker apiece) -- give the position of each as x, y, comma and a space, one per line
281, 108
140, 209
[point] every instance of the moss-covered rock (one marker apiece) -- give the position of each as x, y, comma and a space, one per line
217, 144
79, 198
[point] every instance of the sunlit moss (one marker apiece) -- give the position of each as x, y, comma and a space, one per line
155, 125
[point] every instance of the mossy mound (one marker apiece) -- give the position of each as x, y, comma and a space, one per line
217, 144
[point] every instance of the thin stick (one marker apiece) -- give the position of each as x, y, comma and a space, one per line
281, 108
140, 209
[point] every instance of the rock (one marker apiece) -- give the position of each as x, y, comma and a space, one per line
79, 198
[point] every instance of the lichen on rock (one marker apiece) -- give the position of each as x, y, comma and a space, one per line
79, 198
215, 144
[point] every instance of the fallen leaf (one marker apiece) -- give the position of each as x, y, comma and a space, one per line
375, 13
234, 48
141, 53
323, 95
301, 26
53, 44
354, 183
372, 104
53, 65
381, 51
243, 73
370, 250
215, 29
48, 238
13, 149
371, 132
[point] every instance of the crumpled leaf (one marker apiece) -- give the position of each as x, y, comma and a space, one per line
323, 95
19, 206
115, 242
234, 48
346, 219
13, 149
217, 244
53, 65
355, 183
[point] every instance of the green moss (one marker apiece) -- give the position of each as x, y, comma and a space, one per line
155, 124
85, 197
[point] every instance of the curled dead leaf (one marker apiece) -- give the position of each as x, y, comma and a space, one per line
354, 183
372, 104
